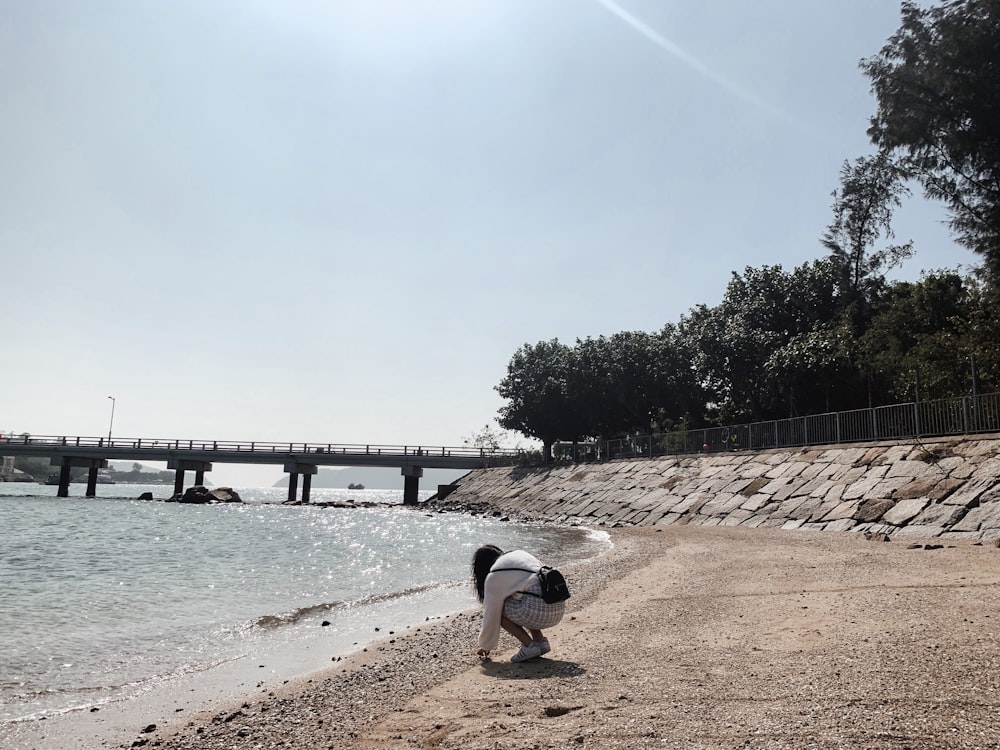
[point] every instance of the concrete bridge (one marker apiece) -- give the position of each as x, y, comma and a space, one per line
198, 456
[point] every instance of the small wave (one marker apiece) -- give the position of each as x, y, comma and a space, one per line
296, 615
270, 622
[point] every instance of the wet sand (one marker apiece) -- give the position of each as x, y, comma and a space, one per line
681, 637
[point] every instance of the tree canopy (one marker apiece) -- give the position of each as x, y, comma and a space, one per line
937, 86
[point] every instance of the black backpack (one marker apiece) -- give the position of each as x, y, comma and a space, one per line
554, 588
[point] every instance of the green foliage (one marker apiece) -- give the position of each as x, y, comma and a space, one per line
537, 387
862, 208
604, 386
937, 85
489, 439
933, 332
772, 347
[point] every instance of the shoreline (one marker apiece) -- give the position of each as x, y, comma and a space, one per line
679, 637
167, 700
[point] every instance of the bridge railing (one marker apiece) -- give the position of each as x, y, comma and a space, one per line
253, 447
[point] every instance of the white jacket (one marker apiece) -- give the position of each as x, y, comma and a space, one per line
501, 584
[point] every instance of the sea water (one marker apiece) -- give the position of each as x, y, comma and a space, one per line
105, 597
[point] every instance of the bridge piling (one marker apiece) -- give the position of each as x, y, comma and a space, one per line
92, 482
182, 465
294, 468
411, 483
63, 490
67, 463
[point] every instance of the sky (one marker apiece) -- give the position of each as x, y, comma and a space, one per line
335, 221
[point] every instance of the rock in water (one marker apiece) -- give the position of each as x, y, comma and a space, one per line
202, 495
226, 495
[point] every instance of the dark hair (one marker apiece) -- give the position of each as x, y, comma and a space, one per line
482, 560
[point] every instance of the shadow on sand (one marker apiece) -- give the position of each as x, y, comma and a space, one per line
533, 669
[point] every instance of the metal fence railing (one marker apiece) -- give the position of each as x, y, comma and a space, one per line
937, 418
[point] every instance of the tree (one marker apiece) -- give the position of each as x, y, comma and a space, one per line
736, 345
937, 86
488, 440
537, 387
870, 189
920, 331
614, 383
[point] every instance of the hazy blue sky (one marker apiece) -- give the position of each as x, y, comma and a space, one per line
335, 221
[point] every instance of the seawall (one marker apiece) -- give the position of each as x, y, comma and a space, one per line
942, 488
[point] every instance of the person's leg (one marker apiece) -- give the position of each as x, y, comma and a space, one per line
536, 635
516, 630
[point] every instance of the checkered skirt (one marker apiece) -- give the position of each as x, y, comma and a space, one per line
533, 612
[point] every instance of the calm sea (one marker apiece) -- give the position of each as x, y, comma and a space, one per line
105, 597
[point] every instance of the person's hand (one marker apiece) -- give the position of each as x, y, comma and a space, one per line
483, 654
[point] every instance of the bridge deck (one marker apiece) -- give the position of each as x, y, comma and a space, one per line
240, 452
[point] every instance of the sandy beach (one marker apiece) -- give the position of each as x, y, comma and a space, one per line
681, 637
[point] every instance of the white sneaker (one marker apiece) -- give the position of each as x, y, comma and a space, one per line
527, 651
543, 646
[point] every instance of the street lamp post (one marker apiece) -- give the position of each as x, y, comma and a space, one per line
111, 424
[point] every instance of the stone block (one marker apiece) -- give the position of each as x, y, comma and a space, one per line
950, 464
736, 517
691, 502
810, 471
913, 469
881, 528
847, 456
793, 524
973, 448
802, 507
985, 516
823, 488
934, 487
886, 488
990, 535
939, 515
989, 468
805, 486
904, 510
706, 521
961, 536
971, 491
871, 510
918, 532
754, 486
668, 519
720, 504
753, 469
843, 524
669, 505
756, 502
846, 509
859, 488
897, 453
872, 456
773, 523
811, 455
